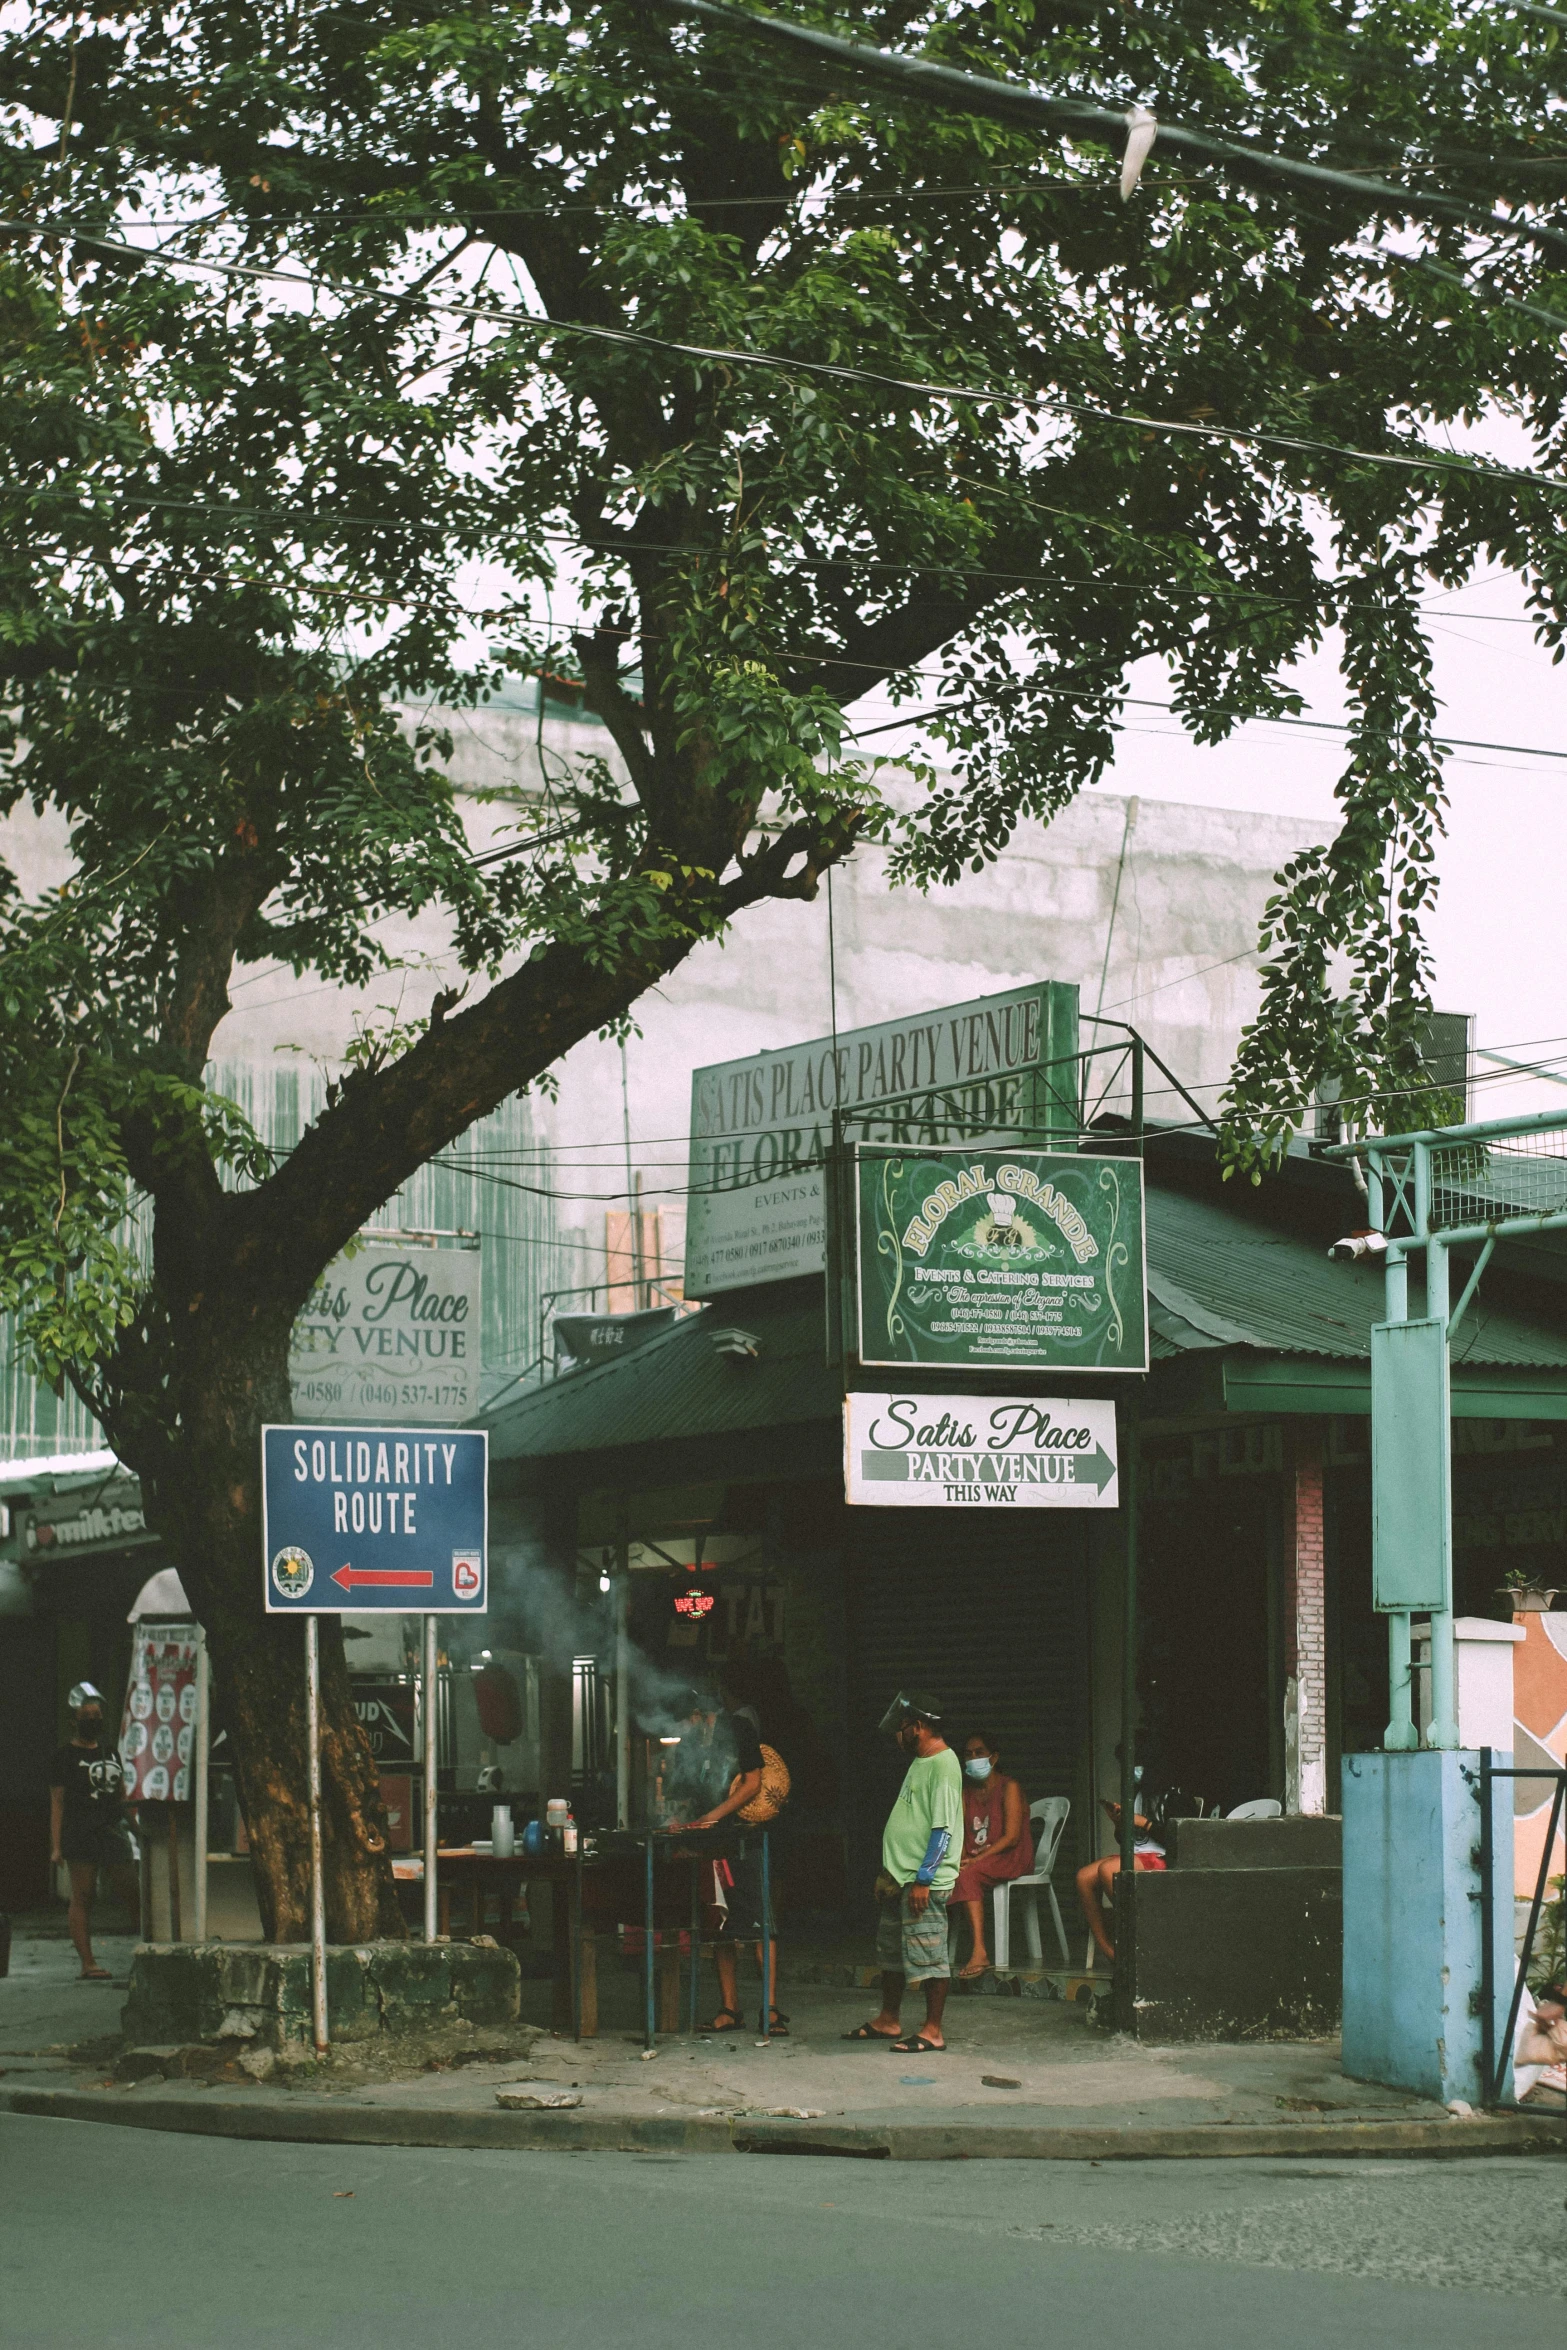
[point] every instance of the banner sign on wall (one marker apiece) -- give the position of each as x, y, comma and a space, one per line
981, 1259
391, 1334
372, 1518
1036, 1452
158, 1733
761, 1128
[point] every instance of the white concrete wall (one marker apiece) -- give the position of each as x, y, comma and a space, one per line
1185, 885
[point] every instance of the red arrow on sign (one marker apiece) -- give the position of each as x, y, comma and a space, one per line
402, 1578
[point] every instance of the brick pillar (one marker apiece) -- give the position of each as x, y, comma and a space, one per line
1305, 1630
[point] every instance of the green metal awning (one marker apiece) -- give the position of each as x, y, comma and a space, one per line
1246, 1315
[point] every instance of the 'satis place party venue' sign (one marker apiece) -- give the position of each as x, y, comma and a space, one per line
986, 1451
391, 1333
761, 1128
983, 1259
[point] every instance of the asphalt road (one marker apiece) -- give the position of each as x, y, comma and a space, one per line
116, 2238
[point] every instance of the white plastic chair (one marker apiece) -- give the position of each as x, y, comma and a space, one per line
1262, 1807
1050, 1815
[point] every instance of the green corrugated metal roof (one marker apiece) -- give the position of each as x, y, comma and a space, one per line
1216, 1279
682, 1384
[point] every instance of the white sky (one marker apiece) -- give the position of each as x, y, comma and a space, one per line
1496, 928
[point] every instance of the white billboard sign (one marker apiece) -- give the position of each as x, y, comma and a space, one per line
761, 1128
391, 1334
933, 1452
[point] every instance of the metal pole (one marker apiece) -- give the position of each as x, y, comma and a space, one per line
1444, 1661
1510, 2029
317, 1889
203, 1731
647, 1948
767, 1940
432, 1758
1488, 2081
696, 1938
622, 1686
1401, 1735
1129, 1480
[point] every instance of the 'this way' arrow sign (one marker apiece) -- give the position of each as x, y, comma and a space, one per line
980, 1452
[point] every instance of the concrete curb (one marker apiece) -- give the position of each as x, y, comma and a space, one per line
299, 2121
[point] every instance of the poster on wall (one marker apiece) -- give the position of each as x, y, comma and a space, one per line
1015, 1452
391, 1333
158, 1732
984, 1259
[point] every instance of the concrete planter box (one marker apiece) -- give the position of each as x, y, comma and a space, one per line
257, 1995
1241, 1938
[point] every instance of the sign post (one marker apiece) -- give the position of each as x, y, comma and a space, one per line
432, 1757
390, 1520
318, 2015
201, 1760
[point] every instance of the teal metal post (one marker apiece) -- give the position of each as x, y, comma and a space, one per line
1443, 1729
1401, 1735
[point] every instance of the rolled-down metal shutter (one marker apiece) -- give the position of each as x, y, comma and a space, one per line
984, 1609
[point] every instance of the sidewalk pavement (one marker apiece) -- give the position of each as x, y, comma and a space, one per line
1019, 2078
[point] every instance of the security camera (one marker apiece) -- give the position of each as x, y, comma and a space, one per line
1358, 1244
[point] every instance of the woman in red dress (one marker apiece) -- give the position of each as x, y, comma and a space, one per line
996, 1843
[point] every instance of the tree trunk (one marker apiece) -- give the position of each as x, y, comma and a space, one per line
201, 1480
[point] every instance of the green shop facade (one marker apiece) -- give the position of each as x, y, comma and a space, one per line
705, 1469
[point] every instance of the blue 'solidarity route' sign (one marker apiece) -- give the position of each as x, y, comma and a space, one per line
364, 1518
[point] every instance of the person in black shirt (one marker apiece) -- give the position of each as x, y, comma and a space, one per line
86, 1826
719, 1771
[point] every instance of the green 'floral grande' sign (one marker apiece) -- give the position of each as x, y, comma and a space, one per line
1003, 1260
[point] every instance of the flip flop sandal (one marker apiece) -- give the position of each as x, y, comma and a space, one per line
971, 1974
95, 1974
916, 2045
736, 2022
779, 2028
864, 2032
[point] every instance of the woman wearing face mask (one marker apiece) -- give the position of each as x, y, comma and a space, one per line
996, 1844
86, 1824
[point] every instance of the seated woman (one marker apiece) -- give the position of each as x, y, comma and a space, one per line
1094, 1881
996, 1843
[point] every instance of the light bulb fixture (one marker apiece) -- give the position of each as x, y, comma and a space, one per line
603, 1582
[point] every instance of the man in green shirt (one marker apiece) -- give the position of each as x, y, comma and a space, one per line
920, 1850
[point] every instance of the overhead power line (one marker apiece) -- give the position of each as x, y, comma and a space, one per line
1003, 101
984, 396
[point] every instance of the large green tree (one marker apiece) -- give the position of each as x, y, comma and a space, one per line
537, 251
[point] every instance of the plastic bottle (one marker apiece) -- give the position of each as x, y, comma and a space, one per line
569, 1835
502, 1832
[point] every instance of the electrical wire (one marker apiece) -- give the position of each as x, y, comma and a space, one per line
1014, 103
1033, 401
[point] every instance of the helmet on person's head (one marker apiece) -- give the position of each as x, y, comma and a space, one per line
84, 1693
910, 1705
